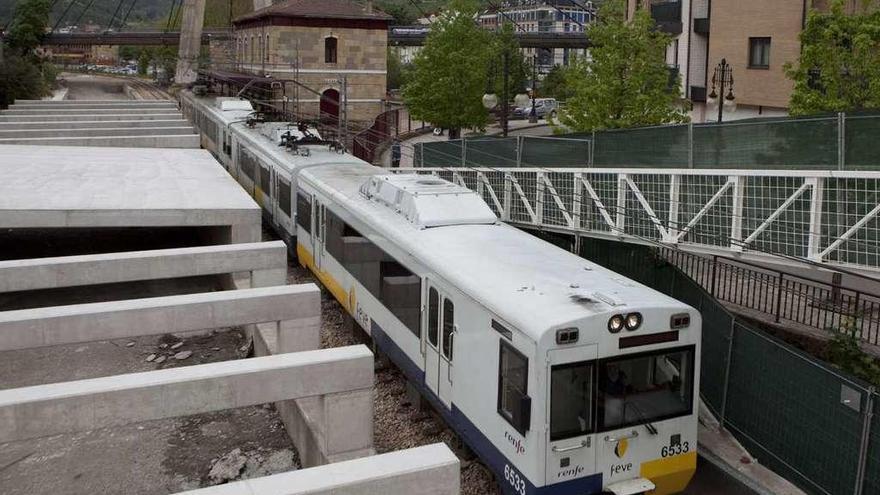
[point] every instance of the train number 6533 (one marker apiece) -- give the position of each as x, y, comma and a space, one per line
515, 480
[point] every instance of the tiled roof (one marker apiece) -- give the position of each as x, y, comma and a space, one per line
319, 9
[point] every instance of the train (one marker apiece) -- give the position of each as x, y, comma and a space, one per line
562, 376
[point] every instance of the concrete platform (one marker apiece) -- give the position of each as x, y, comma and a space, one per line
92, 124
429, 470
43, 410
295, 310
167, 140
81, 103
145, 110
78, 132
84, 115
267, 262
65, 187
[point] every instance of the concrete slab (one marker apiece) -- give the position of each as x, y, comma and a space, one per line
76, 132
428, 470
40, 327
51, 103
95, 105
93, 111
93, 124
73, 271
88, 116
53, 186
57, 408
168, 140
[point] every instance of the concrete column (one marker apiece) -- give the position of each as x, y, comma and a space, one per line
269, 278
190, 41
301, 334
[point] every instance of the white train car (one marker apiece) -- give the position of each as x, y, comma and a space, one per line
562, 376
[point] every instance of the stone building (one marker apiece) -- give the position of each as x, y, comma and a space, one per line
318, 43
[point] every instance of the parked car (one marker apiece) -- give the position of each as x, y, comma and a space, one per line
543, 108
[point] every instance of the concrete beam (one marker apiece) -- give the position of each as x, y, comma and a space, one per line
298, 304
267, 261
53, 103
73, 104
186, 141
43, 410
92, 111
93, 124
88, 116
95, 132
428, 470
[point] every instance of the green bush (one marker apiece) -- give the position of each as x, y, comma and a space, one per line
845, 353
20, 80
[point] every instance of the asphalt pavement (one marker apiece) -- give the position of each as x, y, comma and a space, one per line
711, 480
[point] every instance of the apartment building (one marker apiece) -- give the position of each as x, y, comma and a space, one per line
544, 16
755, 37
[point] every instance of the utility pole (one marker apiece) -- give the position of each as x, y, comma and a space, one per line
533, 115
504, 96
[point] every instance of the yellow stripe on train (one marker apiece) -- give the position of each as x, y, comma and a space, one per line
307, 260
670, 475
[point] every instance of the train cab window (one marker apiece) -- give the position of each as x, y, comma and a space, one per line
646, 387
284, 196
514, 405
433, 316
448, 328
304, 212
571, 400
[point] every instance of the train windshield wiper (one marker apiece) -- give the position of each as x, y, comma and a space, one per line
641, 415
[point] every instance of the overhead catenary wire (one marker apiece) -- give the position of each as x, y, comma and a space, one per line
127, 13
62, 16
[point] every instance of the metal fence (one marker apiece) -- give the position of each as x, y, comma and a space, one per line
798, 416
786, 297
825, 142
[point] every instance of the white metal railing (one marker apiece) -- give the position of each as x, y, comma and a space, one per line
823, 216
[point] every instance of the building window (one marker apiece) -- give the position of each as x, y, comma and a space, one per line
330, 50
514, 404
759, 53
267, 48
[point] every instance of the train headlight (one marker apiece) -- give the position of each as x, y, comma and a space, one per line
615, 324
633, 321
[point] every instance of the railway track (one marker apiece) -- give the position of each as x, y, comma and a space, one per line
147, 90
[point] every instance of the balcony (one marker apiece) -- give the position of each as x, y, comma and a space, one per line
701, 26
667, 16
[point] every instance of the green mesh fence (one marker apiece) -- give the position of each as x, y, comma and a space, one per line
782, 404
860, 139
793, 143
872, 470
653, 147
554, 152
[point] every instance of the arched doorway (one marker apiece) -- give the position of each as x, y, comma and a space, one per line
330, 107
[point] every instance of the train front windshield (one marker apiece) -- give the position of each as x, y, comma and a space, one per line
644, 388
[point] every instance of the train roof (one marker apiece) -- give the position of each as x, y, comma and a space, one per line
531, 284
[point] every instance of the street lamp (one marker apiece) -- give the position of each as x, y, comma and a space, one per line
723, 78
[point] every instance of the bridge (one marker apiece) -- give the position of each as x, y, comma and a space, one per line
139, 38
397, 36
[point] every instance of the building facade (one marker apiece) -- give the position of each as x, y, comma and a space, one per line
544, 16
336, 50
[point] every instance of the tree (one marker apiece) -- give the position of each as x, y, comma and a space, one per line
555, 85
625, 82
396, 69
504, 41
19, 79
839, 66
28, 25
448, 78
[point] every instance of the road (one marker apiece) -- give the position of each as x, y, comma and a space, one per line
93, 87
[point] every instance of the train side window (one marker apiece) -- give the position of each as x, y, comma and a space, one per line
265, 182
448, 328
246, 163
514, 405
304, 212
284, 196
433, 316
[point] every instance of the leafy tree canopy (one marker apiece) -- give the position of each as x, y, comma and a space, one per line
28, 25
625, 82
448, 77
555, 85
839, 66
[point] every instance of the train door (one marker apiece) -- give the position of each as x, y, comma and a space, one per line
572, 408
447, 342
431, 338
318, 231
